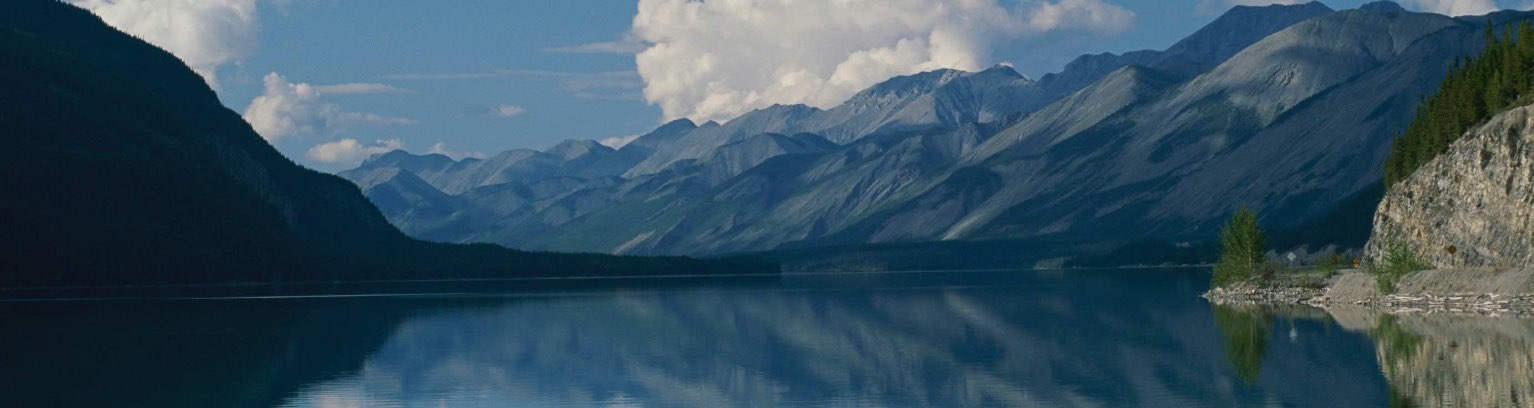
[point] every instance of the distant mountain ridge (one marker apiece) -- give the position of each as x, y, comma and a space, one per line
1288, 109
1217, 41
122, 168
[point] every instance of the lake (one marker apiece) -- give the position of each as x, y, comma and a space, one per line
1112, 338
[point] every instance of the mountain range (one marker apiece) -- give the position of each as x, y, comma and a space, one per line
1289, 110
123, 168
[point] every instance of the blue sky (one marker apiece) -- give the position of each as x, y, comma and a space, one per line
353, 41
473, 77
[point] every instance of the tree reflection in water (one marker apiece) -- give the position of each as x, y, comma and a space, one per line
1246, 332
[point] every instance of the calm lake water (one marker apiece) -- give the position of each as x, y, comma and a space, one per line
998, 338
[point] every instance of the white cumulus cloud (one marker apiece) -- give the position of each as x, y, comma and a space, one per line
287, 109
350, 151
1452, 7
715, 59
206, 34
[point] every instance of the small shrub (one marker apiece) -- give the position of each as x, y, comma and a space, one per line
1399, 261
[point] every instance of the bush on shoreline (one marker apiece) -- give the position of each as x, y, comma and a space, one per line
1399, 261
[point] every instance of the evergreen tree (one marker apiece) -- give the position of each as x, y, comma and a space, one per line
1500, 78
1242, 251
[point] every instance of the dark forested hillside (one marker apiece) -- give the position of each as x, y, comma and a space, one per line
122, 167
1502, 76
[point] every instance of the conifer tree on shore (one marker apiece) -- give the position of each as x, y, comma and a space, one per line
1243, 249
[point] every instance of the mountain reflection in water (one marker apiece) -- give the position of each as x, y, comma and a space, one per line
1114, 338
1003, 338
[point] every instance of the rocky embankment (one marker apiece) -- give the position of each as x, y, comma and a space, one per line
1473, 206
1478, 291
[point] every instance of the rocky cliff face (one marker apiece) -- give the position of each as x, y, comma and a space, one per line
1477, 198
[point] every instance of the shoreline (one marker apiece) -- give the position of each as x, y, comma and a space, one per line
1482, 291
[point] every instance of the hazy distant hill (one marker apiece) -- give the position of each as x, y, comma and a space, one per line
121, 166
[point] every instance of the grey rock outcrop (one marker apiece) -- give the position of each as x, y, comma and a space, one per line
1477, 198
